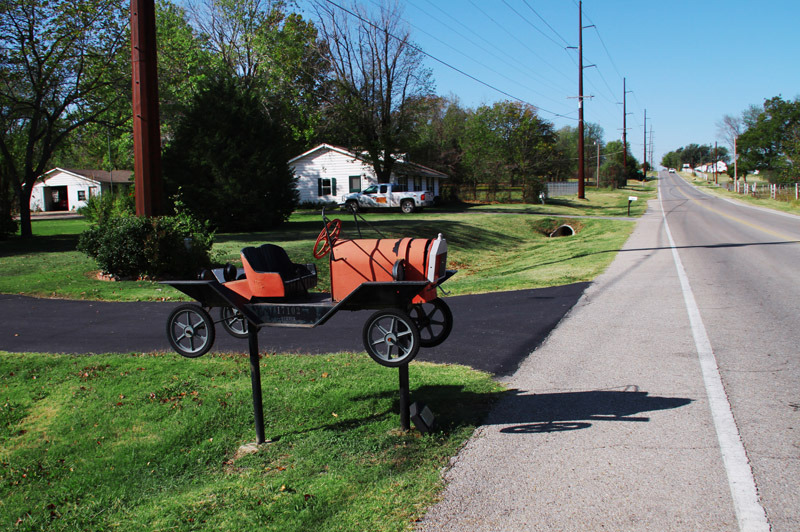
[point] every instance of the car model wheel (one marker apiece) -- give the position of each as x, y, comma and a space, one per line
391, 338
190, 330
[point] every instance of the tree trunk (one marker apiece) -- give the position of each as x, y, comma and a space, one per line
25, 230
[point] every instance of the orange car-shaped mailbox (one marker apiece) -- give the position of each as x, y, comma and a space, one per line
397, 277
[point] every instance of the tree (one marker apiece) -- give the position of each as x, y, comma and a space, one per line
613, 172
439, 132
271, 51
57, 74
568, 145
672, 159
772, 142
377, 80
695, 154
508, 142
228, 160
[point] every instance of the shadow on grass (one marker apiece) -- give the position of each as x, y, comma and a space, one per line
38, 244
458, 234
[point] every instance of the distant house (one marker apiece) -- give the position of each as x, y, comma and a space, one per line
326, 172
68, 190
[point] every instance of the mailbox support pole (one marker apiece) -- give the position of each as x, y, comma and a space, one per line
405, 416
255, 378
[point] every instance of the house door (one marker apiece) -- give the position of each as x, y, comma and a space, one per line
55, 199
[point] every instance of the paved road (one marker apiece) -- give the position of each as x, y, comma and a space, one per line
618, 420
491, 332
743, 267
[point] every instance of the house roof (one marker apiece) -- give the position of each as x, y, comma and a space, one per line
403, 167
102, 176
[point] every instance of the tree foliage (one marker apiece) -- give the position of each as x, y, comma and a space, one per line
377, 81
228, 160
771, 143
59, 71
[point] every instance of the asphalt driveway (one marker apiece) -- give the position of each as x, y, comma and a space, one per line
491, 332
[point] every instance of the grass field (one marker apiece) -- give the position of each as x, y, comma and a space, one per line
148, 441
496, 247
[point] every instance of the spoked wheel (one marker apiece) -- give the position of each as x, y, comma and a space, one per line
434, 320
233, 321
391, 338
190, 331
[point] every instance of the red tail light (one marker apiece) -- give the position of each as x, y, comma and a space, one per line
423, 197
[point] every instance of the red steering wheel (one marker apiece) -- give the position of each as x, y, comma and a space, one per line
327, 237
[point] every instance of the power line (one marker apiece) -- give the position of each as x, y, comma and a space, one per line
548, 25
448, 65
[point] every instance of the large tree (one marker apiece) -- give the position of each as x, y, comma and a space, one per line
378, 80
509, 142
771, 143
58, 73
271, 51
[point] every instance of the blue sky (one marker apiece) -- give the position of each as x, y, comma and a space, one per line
687, 62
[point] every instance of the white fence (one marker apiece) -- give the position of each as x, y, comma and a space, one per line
785, 192
562, 188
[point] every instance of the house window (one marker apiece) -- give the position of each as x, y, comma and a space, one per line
417, 183
355, 183
81, 195
403, 182
326, 187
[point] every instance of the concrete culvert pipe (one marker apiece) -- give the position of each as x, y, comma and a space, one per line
563, 230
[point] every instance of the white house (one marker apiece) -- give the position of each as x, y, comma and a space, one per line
67, 190
327, 172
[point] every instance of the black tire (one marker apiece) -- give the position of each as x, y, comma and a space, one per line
233, 322
351, 206
434, 320
190, 330
391, 338
407, 206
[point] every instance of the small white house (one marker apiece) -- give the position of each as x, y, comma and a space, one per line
327, 172
68, 190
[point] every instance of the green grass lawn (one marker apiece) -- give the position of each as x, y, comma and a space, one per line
148, 442
495, 247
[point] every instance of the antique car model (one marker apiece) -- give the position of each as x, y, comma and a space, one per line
398, 277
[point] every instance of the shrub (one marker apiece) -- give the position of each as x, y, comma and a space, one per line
230, 159
159, 247
532, 189
101, 208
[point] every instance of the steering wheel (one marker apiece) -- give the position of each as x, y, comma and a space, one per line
327, 237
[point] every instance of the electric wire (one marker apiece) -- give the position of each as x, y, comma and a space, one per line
448, 65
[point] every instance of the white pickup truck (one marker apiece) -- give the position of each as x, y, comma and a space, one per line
386, 195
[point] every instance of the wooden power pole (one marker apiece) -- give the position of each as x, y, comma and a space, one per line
146, 129
581, 170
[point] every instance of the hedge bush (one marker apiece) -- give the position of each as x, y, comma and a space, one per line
156, 248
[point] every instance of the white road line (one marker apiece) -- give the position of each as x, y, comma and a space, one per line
749, 512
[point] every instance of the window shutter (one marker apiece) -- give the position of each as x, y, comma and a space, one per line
333, 186
319, 187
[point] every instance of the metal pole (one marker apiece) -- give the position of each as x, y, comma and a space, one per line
405, 414
597, 174
255, 381
735, 161
581, 171
624, 129
146, 130
644, 164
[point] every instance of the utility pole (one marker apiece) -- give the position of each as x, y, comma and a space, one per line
581, 193
644, 164
716, 178
146, 130
597, 173
624, 128
735, 161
